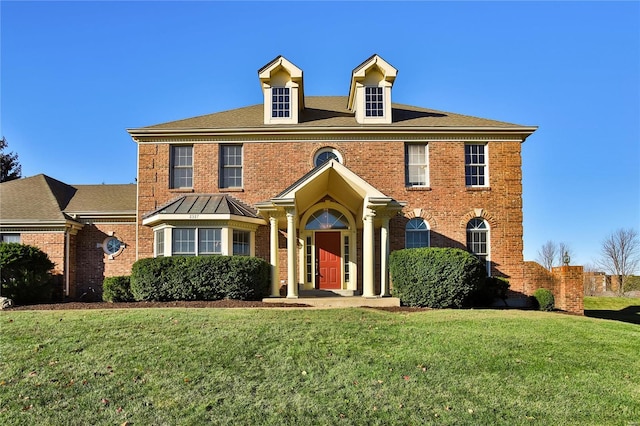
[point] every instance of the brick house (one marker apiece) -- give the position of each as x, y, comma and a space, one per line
88, 231
325, 187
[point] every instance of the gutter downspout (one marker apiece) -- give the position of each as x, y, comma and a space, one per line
67, 242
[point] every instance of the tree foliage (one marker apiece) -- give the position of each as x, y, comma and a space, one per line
10, 169
25, 273
620, 254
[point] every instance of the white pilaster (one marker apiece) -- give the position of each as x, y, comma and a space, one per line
384, 258
292, 248
368, 264
275, 276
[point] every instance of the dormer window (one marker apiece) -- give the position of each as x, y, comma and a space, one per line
370, 91
280, 102
283, 92
374, 104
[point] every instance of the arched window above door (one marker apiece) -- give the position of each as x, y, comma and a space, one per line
327, 219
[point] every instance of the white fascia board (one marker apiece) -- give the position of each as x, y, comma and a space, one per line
159, 218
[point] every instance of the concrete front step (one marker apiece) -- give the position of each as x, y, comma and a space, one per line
339, 302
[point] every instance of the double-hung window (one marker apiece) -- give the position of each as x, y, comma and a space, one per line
185, 241
241, 243
475, 164
373, 101
181, 166
280, 102
231, 166
478, 240
159, 242
417, 165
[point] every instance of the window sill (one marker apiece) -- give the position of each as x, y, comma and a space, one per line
231, 189
478, 188
178, 190
418, 188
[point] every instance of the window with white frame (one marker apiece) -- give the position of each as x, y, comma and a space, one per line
159, 243
231, 166
209, 241
417, 164
184, 241
280, 102
325, 154
181, 166
241, 243
10, 238
373, 101
478, 239
417, 233
475, 164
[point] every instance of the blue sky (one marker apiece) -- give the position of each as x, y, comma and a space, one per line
75, 75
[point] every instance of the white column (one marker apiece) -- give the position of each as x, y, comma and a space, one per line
384, 258
292, 248
275, 276
368, 264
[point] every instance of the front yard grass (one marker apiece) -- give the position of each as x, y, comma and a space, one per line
341, 366
625, 309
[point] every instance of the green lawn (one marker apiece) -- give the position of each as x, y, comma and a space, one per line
625, 309
306, 366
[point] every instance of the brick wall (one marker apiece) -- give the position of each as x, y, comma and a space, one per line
270, 167
565, 282
93, 265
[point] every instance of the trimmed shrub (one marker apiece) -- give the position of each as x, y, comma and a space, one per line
200, 278
117, 289
435, 277
25, 273
544, 299
491, 289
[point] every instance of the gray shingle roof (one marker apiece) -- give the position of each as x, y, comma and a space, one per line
42, 198
330, 111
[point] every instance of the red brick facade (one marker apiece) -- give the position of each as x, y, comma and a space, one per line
447, 204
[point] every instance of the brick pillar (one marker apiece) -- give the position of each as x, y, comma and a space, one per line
569, 292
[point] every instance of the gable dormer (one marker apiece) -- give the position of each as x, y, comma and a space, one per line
370, 91
283, 92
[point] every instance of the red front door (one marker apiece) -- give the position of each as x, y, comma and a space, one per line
328, 261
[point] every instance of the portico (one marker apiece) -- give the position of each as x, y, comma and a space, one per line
330, 217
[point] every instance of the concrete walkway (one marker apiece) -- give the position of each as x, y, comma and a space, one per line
339, 301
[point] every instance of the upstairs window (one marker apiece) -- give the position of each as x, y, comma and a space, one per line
417, 233
373, 102
417, 165
325, 154
475, 165
231, 166
182, 166
280, 103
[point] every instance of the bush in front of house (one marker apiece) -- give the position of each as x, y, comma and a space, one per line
117, 289
25, 273
435, 277
200, 278
544, 299
491, 289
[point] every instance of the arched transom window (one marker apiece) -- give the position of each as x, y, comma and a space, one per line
417, 233
327, 219
478, 238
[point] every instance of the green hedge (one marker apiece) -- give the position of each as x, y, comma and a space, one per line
491, 290
200, 278
435, 277
544, 299
25, 273
117, 289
